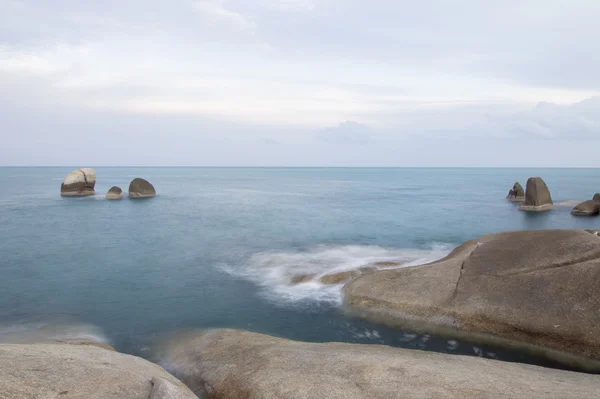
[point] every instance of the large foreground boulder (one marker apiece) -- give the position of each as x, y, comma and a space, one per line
79, 183
516, 194
140, 188
537, 196
587, 208
536, 288
115, 193
74, 371
230, 364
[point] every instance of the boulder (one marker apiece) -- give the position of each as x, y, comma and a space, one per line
587, 208
596, 198
115, 193
140, 188
79, 183
537, 290
516, 194
230, 364
74, 371
537, 196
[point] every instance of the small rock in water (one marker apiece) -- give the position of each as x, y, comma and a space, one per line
587, 208
338, 278
140, 188
115, 193
301, 278
516, 194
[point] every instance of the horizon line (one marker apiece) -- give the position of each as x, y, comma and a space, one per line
301, 167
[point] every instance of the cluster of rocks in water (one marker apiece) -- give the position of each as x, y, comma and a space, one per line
82, 183
537, 198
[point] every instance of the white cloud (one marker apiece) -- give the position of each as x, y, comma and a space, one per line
216, 14
577, 121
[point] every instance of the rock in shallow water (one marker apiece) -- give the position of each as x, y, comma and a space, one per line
516, 194
537, 196
73, 371
243, 365
115, 193
534, 287
79, 183
140, 188
587, 208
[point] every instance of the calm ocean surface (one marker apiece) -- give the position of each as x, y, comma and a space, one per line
217, 246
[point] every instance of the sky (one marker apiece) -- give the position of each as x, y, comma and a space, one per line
300, 83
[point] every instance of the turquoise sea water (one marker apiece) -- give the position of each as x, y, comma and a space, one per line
217, 246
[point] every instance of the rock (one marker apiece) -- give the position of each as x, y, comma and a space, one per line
338, 278
79, 183
232, 364
115, 193
587, 208
387, 265
517, 194
596, 198
165, 389
301, 279
537, 196
140, 188
534, 288
72, 371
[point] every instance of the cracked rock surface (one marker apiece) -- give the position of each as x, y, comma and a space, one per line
535, 287
79, 183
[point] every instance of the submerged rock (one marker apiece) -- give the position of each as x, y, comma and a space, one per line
79, 183
74, 371
341, 277
587, 208
301, 278
539, 288
244, 365
115, 193
516, 194
537, 196
140, 188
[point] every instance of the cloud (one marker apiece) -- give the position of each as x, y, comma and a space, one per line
549, 121
215, 13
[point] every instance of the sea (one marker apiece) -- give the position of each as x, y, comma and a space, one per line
217, 247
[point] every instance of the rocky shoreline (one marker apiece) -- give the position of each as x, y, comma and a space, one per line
531, 291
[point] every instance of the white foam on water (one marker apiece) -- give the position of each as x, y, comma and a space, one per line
568, 203
273, 271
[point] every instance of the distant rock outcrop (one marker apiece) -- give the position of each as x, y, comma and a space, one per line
115, 193
79, 183
587, 208
516, 194
537, 196
140, 188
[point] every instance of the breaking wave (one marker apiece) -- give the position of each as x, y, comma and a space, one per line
295, 276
